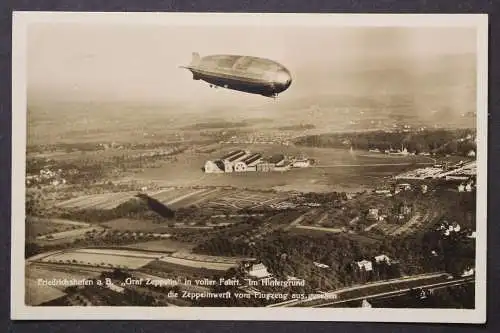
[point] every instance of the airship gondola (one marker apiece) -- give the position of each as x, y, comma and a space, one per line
242, 73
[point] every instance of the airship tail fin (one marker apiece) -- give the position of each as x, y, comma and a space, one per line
195, 60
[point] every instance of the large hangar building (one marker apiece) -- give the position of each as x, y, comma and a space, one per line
245, 161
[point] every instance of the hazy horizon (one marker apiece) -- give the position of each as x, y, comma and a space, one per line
117, 76
75, 61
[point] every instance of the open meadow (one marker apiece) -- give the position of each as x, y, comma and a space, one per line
68, 234
207, 258
182, 197
37, 227
105, 258
97, 201
36, 294
132, 225
54, 230
166, 245
218, 266
240, 199
180, 266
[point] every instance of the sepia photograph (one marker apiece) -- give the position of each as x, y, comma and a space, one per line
327, 167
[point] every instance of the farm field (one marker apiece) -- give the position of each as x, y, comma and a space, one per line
216, 266
43, 271
182, 197
61, 222
124, 252
68, 234
417, 221
55, 231
330, 220
132, 225
204, 265
111, 258
38, 228
196, 199
174, 197
207, 258
180, 267
167, 245
97, 201
36, 294
240, 199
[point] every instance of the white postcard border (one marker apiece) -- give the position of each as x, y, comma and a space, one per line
20, 311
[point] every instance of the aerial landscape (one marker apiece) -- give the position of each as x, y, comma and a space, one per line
354, 187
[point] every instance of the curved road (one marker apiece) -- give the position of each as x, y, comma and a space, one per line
454, 282
394, 282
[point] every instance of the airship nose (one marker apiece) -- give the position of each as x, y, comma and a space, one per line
283, 79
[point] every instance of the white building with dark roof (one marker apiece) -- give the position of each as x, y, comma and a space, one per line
365, 265
382, 259
259, 271
214, 167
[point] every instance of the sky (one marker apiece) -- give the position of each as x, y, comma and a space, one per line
77, 61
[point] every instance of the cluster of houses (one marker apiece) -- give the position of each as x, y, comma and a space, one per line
460, 171
403, 211
260, 271
283, 205
290, 205
262, 138
467, 187
364, 264
46, 176
400, 187
449, 228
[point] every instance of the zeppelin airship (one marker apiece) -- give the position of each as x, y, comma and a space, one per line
243, 73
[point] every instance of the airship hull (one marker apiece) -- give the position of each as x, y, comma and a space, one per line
242, 73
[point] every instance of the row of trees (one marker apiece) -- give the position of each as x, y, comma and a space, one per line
439, 141
417, 253
92, 146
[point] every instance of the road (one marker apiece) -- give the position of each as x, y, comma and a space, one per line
40, 256
324, 229
299, 219
368, 165
388, 283
455, 282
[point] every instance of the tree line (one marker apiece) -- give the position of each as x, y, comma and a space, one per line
438, 141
